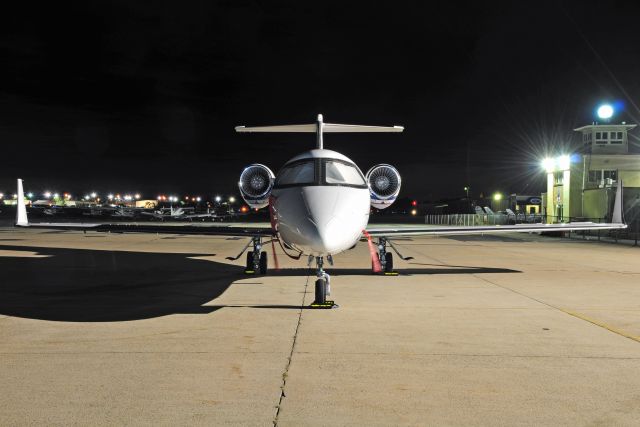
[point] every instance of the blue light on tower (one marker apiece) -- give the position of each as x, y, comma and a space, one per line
605, 112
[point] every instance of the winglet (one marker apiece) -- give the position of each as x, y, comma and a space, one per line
618, 217
21, 211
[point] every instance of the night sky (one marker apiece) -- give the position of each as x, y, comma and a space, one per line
126, 96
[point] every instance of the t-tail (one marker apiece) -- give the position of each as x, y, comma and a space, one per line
319, 128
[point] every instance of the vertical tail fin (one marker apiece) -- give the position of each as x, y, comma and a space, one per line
21, 211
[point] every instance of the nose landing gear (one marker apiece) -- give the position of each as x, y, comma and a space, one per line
323, 288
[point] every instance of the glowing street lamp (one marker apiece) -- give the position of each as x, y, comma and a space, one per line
497, 197
93, 195
605, 112
564, 162
232, 199
47, 194
549, 164
218, 199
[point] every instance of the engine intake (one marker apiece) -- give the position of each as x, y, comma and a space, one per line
384, 185
256, 182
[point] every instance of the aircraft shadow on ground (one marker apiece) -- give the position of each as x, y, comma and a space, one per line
82, 285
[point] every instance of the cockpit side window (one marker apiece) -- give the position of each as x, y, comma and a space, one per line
297, 174
342, 173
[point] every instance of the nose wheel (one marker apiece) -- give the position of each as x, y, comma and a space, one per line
323, 288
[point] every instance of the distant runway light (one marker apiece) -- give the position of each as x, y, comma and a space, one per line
605, 111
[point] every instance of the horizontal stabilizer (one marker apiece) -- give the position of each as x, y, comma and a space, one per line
320, 127
326, 128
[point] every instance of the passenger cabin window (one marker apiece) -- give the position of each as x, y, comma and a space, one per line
342, 173
297, 173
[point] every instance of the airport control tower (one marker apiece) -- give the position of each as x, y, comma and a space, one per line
582, 185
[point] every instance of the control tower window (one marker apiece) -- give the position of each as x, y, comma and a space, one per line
615, 138
602, 137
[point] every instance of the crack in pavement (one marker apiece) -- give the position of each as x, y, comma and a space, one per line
293, 346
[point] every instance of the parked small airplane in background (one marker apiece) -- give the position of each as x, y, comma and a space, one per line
182, 214
319, 204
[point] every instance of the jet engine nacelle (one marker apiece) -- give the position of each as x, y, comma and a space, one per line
256, 182
384, 185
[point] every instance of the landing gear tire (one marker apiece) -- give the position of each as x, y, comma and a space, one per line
321, 292
249, 261
263, 263
388, 266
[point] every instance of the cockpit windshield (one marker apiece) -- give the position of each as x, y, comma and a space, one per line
320, 172
297, 173
342, 173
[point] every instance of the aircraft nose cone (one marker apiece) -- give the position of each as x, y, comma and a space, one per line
326, 208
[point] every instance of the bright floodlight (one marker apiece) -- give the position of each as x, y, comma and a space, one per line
93, 195
564, 162
232, 199
605, 111
218, 198
549, 164
47, 194
497, 197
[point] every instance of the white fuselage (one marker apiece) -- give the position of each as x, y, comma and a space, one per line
322, 217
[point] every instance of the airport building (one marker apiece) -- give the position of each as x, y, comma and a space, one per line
583, 185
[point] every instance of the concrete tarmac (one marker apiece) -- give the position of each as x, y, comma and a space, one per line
101, 329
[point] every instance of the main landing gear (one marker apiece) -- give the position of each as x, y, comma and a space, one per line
386, 258
323, 285
257, 261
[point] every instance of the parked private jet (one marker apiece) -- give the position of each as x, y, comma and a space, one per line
319, 203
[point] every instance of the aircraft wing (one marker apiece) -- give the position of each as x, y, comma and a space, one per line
431, 230
617, 222
173, 228
207, 229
